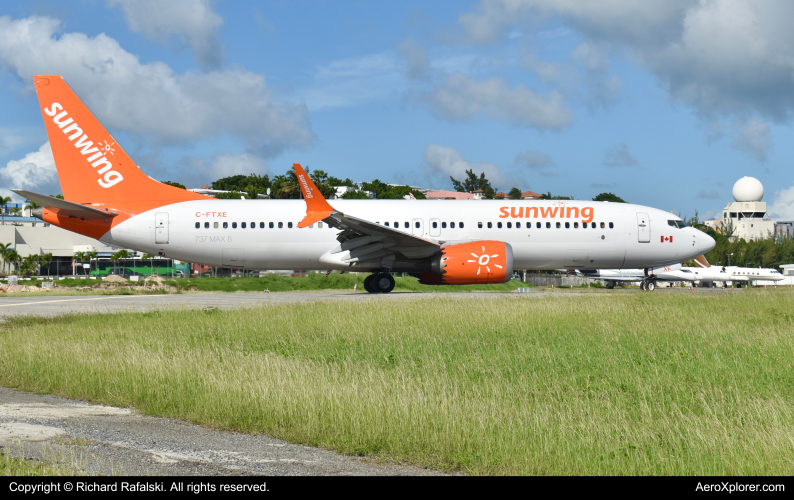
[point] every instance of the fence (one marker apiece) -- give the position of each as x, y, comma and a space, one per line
556, 280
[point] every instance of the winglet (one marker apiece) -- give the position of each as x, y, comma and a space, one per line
317, 208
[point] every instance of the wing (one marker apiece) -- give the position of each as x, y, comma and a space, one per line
63, 207
360, 239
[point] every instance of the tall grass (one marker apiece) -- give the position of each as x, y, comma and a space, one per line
593, 384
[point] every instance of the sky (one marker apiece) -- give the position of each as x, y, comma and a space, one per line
665, 104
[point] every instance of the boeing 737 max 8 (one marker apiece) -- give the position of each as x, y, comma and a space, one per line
442, 242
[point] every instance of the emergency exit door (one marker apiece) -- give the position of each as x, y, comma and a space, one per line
418, 227
643, 228
161, 227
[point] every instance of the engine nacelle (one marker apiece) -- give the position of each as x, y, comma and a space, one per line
478, 262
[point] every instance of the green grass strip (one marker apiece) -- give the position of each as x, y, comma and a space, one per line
630, 383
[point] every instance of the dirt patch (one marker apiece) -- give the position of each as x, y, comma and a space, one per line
23, 288
115, 279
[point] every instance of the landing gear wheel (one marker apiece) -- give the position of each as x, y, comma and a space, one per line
368, 284
644, 285
650, 286
610, 285
383, 283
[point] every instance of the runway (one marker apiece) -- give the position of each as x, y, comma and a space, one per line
11, 305
57, 305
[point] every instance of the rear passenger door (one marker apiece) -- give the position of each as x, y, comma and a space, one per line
417, 227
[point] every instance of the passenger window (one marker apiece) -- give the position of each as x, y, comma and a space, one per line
225, 225
592, 225
387, 224
537, 225
234, 225
576, 225
518, 225
509, 225
499, 225
417, 225
548, 225
253, 225
584, 225
460, 225
262, 225
490, 225
280, 225
603, 225
443, 225
611, 225
271, 225
452, 225
206, 225
479, 225
198, 225
242, 225
320, 225
215, 225
311, 226
397, 225
289, 225
558, 225
567, 225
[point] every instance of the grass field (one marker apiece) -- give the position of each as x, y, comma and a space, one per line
273, 283
630, 383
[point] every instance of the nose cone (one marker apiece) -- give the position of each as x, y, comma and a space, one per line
706, 243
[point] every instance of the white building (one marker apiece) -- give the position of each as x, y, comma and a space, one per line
747, 214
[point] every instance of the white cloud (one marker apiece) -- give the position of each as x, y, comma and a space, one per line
534, 159
446, 162
151, 99
193, 21
416, 57
619, 156
724, 58
782, 207
35, 171
354, 81
461, 98
754, 138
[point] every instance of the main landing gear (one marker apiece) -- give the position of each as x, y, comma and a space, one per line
379, 283
648, 285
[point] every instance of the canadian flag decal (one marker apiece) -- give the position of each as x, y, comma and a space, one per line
667, 238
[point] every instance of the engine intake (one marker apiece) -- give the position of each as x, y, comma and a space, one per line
477, 262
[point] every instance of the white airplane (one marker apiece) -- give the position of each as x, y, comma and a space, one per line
705, 272
734, 273
458, 242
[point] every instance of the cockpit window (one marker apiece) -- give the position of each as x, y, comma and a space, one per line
680, 224
671, 223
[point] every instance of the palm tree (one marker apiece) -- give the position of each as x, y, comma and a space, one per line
4, 248
30, 264
79, 256
92, 256
3, 201
44, 261
13, 257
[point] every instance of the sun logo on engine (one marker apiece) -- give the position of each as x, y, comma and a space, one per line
107, 148
483, 261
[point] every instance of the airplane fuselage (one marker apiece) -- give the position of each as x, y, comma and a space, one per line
263, 234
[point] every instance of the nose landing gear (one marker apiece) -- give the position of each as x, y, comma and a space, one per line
379, 283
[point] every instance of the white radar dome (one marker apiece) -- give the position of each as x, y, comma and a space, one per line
748, 189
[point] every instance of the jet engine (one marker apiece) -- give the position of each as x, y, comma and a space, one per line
477, 262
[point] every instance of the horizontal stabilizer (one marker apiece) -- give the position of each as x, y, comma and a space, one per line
65, 208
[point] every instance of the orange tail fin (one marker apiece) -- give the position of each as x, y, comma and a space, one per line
317, 208
92, 167
701, 261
